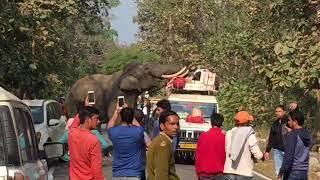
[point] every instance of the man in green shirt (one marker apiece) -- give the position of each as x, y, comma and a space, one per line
160, 157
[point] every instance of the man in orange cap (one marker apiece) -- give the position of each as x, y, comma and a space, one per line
241, 146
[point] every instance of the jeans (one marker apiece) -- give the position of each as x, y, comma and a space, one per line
235, 177
278, 158
126, 178
216, 177
296, 175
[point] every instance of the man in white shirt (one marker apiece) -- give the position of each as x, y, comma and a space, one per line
241, 149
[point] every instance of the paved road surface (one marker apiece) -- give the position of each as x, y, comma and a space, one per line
185, 172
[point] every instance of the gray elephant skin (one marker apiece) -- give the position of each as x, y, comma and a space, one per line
134, 79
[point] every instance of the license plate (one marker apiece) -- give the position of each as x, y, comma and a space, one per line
188, 146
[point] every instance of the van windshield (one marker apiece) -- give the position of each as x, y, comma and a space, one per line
37, 114
183, 109
5, 115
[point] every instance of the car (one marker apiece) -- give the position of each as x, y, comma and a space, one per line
20, 157
48, 119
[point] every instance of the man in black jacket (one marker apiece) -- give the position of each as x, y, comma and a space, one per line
278, 130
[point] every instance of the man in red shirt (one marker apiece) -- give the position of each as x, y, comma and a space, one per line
84, 147
211, 154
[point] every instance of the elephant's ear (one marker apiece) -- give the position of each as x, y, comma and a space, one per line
129, 83
137, 78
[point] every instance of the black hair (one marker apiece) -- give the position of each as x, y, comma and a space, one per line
297, 116
164, 116
87, 112
127, 115
217, 119
164, 104
138, 115
283, 107
61, 99
79, 106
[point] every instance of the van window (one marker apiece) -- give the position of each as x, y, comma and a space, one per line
37, 114
50, 114
3, 114
55, 110
31, 135
23, 136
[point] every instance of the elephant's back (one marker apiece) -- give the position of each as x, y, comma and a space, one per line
89, 81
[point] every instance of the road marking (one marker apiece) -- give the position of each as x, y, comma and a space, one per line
261, 175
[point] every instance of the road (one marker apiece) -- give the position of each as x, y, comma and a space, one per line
185, 172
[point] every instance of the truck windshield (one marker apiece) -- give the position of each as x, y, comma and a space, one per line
37, 114
183, 109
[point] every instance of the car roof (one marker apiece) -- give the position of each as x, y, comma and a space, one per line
37, 102
7, 96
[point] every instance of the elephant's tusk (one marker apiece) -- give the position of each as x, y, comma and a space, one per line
173, 75
184, 74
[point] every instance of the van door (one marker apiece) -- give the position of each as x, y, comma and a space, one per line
42, 167
54, 112
27, 144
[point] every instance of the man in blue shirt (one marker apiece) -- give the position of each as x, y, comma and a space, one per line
162, 106
128, 145
295, 164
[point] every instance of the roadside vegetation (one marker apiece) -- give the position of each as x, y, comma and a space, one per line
266, 52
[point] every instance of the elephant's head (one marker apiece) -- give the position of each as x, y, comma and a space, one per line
142, 77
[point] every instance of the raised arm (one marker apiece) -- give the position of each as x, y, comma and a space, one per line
113, 120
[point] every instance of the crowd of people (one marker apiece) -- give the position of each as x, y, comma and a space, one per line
231, 155
219, 155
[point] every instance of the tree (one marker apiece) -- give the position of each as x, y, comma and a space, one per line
273, 44
173, 29
123, 56
45, 43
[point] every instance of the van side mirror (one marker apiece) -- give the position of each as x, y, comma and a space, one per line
54, 150
54, 122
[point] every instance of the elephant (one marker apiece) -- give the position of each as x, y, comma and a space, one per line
130, 82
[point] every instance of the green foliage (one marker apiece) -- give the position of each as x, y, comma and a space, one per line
173, 29
273, 44
244, 95
123, 56
45, 45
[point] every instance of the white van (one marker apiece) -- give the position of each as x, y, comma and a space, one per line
19, 154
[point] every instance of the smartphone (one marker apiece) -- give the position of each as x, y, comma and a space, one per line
121, 100
91, 97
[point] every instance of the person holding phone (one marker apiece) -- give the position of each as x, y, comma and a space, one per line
85, 148
128, 144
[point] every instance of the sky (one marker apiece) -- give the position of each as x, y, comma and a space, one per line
122, 21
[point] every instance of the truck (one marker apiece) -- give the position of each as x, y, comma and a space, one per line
194, 102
